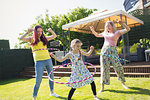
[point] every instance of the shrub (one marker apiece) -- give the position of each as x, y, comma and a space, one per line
119, 49
97, 51
133, 48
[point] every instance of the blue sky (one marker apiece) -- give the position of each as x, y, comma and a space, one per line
18, 15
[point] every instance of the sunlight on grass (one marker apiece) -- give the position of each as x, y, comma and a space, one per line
21, 89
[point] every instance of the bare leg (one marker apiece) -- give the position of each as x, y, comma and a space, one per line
102, 88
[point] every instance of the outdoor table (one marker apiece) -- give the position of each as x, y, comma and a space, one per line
147, 54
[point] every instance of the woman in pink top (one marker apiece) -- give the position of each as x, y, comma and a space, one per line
111, 36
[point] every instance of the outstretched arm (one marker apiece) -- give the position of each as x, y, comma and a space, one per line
126, 28
89, 52
95, 33
26, 39
53, 36
58, 59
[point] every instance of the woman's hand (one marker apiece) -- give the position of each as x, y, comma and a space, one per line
24, 38
50, 30
91, 28
30, 30
123, 31
120, 22
92, 48
52, 55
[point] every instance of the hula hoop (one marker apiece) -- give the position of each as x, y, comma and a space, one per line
46, 49
74, 81
113, 57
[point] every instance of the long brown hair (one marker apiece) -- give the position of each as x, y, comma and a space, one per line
73, 43
36, 39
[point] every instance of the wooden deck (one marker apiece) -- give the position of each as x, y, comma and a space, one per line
133, 69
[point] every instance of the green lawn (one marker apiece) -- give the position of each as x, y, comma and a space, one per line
21, 89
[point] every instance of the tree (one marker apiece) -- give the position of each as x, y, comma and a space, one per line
56, 22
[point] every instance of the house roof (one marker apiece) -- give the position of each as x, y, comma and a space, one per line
147, 4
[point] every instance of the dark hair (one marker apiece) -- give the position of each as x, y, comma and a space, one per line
35, 37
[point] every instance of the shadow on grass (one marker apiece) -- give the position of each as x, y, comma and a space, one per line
3, 82
94, 99
138, 91
64, 98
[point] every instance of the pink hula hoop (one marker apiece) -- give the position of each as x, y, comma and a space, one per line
74, 81
46, 49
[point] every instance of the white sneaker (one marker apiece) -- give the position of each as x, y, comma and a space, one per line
96, 98
34, 98
54, 94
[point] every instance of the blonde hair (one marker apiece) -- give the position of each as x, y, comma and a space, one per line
73, 43
112, 24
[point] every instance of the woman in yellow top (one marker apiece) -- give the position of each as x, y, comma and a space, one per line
41, 57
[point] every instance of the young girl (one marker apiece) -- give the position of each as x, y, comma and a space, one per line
111, 36
41, 57
79, 70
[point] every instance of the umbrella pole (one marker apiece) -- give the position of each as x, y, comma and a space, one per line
128, 48
69, 37
124, 53
63, 42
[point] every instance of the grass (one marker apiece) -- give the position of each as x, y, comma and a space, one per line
21, 89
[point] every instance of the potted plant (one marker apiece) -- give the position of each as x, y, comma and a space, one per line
143, 45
